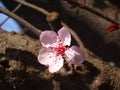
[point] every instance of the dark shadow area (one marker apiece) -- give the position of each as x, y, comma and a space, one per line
11, 5
115, 2
24, 56
11, 80
23, 81
99, 4
78, 81
6, 86
72, 82
92, 74
5, 63
36, 84
105, 87
20, 79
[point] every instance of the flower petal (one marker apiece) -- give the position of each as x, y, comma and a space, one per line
46, 55
56, 65
48, 38
74, 55
64, 36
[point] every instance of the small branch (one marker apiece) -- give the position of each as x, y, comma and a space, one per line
33, 7
92, 10
99, 14
18, 6
22, 21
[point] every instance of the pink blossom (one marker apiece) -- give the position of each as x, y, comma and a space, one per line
57, 48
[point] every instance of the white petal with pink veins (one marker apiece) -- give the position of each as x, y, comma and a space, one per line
46, 56
49, 39
64, 36
74, 55
56, 65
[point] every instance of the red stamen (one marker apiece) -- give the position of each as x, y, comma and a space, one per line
60, 50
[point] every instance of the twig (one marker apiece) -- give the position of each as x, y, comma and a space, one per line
100, 14
92, 10
18, 6
33, 7
22, 21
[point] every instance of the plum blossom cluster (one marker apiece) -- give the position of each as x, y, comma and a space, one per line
56, 49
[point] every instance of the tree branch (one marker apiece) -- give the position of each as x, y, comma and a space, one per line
33, 7
22, 21
92, 10
16, 8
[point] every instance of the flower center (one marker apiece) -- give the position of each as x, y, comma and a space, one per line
60, 50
